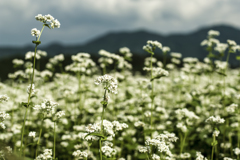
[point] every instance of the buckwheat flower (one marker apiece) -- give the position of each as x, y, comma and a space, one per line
18, 62
155, 44
213, 33
227, 158
2, 125
221, 47
60, 114
55, 24
35, 32
200, 156
124, 50
32, 134
231, 42
144, 149
108, 151
216, 133
155, 157
4, 98
176, 55
236, 151
109, 81
49, 18
185, 155
217, 120
165, 49
231, 108
41, 18
33, 91
80, 154
3, 116
139, 124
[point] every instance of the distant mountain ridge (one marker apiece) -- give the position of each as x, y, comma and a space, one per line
187, 44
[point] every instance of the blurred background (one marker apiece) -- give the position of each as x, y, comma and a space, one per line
91, 25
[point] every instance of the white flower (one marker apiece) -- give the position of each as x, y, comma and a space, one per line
176, 55
216, 120
32, 134
55, 24
60, 114
31, 89
213, 33
109, 81
216, 133
4, 98
35, 32
231, 42
236, 151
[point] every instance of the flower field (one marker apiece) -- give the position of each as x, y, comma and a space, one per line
186, 109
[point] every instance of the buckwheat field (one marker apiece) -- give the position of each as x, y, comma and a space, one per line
186, 109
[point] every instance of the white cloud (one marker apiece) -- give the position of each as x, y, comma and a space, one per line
81, 19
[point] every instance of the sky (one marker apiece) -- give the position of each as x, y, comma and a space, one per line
83, 20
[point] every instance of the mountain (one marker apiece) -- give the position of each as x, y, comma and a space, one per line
187, 44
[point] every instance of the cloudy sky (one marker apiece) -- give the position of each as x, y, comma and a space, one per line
83, 20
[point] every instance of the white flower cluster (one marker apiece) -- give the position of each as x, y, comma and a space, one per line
109, 81
81, 63
181, 113
108, 151
119, 126
155, 157
17, 62
60, 114
4, 98
236, 151
151, 45
157, 71
215, 133
35, 32
231, 42
167, 137
200, 156
32, 134
165, 49
31, 89
221, 47
126, 52
231, 108
213, 33
160, 145
139, 124
143, 149
176, 55
39, 53
54, 23
47, 154
227, 158
108, 127
217, 120
3, 116
80, 154
47, 106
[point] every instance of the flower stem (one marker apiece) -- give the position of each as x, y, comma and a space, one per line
54, 143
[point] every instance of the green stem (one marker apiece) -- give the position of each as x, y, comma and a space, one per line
39, 139
152, 96
183, 142
30, 92
213, 147
54, 143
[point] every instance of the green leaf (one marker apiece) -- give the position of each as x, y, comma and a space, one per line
238, 58
47, 25
25, 104
221, 73
36, 42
